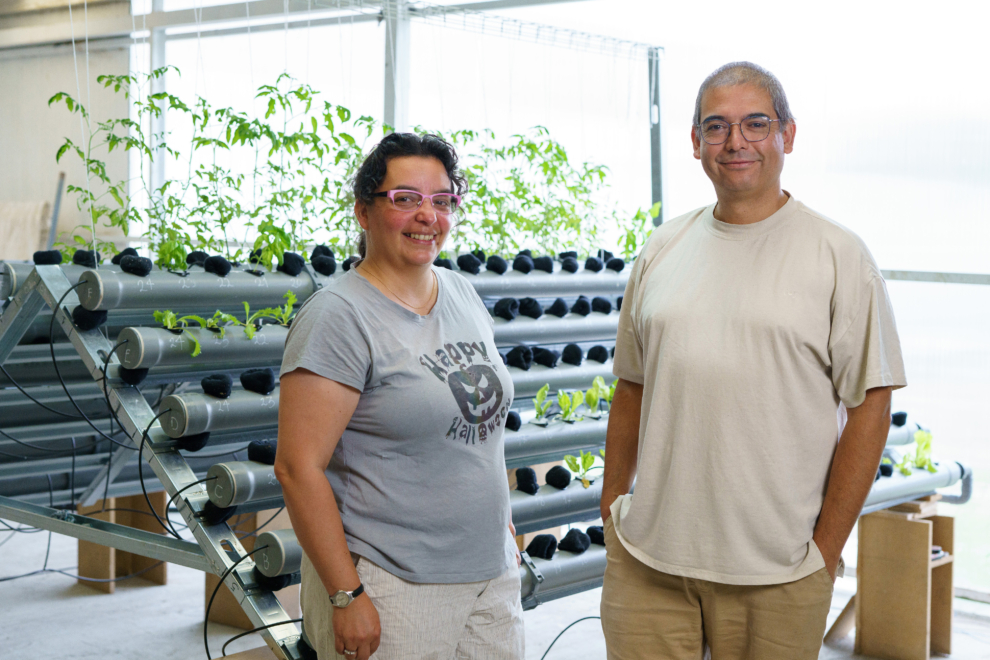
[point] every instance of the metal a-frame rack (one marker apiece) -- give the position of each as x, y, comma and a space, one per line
218, 547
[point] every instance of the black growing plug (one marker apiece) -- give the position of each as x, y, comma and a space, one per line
569, 264
443, 263
321, 251
497, 264
520, 357
127, 251
558, 308
263, 451
324, 264
575, 541
276, 583
198, 258
531, 308
887, 469
525, 253
898, 419
260, 381
85, 319
526, 480
604, 255
601, 305
523, 264
598, 354
507, 308
214, 515
542, 546
479, 255
545, 356
572, 355
86, 258
349, 261
218, 385
512, 421
217, 265
615, 264
569, 254
618, 303
140, 266
593, 263
292, 264
193, 442
543, 263
596, 534
469, 263
47, 258
581, 306
559, 477
132, 376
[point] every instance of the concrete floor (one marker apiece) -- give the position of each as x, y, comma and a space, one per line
51, 616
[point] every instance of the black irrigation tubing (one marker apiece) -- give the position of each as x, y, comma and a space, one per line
171, 500
65, 572
206, 619
51, 331
565, 630
144, 437
258, 629
28, 395
25, 443
261, 526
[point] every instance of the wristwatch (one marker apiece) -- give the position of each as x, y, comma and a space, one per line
344, 598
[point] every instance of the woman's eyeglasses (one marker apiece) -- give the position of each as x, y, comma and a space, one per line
410, 200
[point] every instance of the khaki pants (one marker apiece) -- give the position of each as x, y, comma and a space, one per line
473, 620
647, 614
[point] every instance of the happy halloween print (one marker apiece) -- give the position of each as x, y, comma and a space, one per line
467, 371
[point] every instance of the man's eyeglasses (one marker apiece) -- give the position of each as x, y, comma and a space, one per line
753, 129
410, 200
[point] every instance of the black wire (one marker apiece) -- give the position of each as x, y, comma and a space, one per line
206, 620
51, 332
171, 500
262, 526
65, 572
25, 393
245, 634
51, 503
144, 437
565, 630
106, 394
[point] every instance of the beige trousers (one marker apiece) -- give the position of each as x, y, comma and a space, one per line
477, 620
651, 615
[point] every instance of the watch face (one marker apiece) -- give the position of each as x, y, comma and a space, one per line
341, 599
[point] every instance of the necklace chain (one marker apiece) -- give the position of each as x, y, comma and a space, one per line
407, 304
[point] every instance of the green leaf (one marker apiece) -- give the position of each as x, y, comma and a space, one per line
572, 463
655, 210
197, 349
587, 460
564, 402
541, 395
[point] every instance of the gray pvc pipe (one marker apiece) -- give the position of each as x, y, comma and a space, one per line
154, 347
193, 413
564, 575
551, 507
283, 554
534, 444
901, 435
238, 482
919, 482
108, 288
13, 275
539, 284
563, 376
552, 330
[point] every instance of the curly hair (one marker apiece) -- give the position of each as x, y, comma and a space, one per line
395, 145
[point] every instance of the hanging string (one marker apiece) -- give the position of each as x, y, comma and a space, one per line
83, 121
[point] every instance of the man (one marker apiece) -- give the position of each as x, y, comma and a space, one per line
745, 325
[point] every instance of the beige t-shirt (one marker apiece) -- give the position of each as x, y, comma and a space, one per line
745, 338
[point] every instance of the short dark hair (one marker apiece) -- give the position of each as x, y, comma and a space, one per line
395, 145
747, 73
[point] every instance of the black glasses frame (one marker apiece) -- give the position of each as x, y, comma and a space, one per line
701, 129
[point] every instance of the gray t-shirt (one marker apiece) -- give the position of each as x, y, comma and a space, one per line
419, 473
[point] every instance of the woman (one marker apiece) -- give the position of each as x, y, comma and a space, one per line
391, 377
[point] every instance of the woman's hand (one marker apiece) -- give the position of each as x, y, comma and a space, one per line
357, 628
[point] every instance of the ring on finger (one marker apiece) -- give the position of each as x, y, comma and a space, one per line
346, 652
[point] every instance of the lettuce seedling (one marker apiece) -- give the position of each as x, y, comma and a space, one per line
569, 405
540, 402
582, 466
170, 321
922, 456
592, 398
283, 314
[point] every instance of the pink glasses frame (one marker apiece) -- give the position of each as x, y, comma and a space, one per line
391, 197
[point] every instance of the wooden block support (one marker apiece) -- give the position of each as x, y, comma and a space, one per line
226, 609
103, 563
904, 600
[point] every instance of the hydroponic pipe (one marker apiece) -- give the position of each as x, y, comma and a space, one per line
237, 482
108, 288
919, 482
562, 377
538, 284
552, 330
153, 347
192, 413
283, 555
564, 575
901, 435
551, 507
533, 444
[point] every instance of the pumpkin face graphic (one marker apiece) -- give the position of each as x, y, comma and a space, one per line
477, 391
